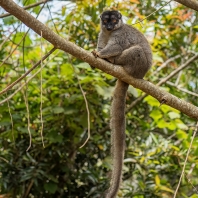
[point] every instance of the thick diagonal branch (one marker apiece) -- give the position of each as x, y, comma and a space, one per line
193, 4
114, 70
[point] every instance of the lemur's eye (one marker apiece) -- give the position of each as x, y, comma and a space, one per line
105, 21
114, 21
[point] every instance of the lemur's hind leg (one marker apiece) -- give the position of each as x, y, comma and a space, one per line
134, 61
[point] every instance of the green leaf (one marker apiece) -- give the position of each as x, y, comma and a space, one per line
162, 124
69, 110
156, 114
19, 36
51, 187
52, 178
157, 180
181, 134
63, 10
8, 20
173, 115
106, 92
67, 70
181, 125
154, 138
133, 91
83, 65
171, 125
165, 108
152, 101
175, 147
53, 136
157, 57
164, 188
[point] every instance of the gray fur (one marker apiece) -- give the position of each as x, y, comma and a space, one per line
126, 46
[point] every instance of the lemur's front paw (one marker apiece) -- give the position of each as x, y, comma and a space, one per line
95, 53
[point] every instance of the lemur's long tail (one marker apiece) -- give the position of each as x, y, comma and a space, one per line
117, 136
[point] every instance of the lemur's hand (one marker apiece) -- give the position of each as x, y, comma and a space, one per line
95, 53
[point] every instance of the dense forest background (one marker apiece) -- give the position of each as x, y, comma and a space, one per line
43, 125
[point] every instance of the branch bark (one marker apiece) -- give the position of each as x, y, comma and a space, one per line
193, 4
114, 70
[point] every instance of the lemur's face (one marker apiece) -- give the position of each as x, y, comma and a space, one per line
111, 20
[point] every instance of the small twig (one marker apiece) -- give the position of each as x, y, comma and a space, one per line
163, 65
22, 37
14, 48
188, 152
178, 70
29, 188
86, 103
188, 176
28, 117
195, 189
152, 13
52, 19
5, 160
178, 78
4, 41
12, 123
88, 115
182, 89
7, 63
41, 90
191, 169
24, 75
22, 85
25, 8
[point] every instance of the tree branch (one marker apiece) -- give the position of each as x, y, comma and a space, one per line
193, 4
178, 69
31, 69
181, 89
114, 70
166, 63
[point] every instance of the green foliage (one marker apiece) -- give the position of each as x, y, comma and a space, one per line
158, 136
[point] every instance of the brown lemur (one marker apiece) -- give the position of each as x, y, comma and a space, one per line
122, 45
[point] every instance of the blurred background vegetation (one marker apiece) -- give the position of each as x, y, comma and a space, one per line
157, 136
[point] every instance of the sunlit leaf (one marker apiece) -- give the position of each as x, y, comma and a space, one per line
152, 101
58, 110
157, 180
181, 134
174, 115
156, 114
166, 189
